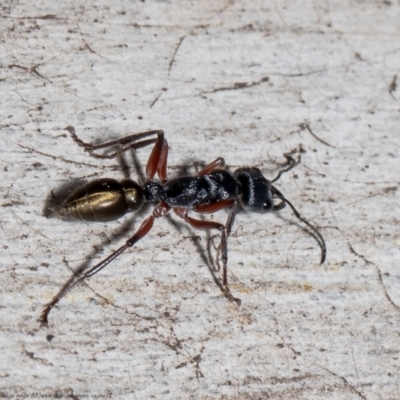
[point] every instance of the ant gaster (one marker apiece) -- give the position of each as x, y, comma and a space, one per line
211, 190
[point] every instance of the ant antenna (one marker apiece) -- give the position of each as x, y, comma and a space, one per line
318, 236
292, 163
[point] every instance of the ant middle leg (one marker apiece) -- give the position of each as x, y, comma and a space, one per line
134, 141
198, 224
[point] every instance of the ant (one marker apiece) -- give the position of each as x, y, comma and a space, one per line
211, 190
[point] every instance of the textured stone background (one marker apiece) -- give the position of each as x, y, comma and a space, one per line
246, 80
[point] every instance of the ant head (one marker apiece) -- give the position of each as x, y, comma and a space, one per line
256, 194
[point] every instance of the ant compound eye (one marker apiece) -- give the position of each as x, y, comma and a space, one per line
267, 206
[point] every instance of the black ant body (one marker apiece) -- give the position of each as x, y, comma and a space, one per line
211, 190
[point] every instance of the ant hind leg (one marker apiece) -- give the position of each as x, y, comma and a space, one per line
134, 141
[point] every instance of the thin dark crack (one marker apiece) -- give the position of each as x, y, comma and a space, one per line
54, 157
379, 275
382, 192
87, 45
196, 361
32, 70
278, 333
364, 198
76, 273
175, 52
373, 182
345, 381
177, 346
32, 356
31, 227
238, 85
302, 73
46, 16
315, 172
393, 86
306, 126
124, 309
155, 100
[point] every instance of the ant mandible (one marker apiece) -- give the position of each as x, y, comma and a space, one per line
211, 190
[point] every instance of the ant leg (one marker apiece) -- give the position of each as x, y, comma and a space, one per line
157, 161
128, 142
162, 163
214, 207
210, 208
198, 224
292, 163
219, 162
144, 229
231, 217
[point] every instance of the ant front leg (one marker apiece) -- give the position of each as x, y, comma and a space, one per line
198, 224
134, 142
144, 229
234, 209
233, 206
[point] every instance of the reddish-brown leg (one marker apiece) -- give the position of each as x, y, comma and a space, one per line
162, 163
214, 207
198, 224
144, 229
159, 153
219, 162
